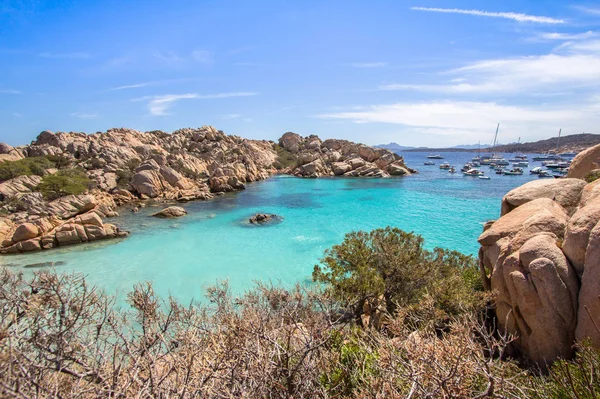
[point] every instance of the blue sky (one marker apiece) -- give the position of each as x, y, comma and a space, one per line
422, 72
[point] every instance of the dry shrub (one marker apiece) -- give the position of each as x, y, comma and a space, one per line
60, 338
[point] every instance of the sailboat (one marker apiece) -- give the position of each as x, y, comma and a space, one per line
519, 160
548, 156
497, 160
487, 159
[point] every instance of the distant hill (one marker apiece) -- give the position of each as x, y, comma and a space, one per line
570, 143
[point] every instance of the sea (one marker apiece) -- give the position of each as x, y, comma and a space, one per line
215, 242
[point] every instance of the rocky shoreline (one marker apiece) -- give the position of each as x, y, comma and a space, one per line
125, 166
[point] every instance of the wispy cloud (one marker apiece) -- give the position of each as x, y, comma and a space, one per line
568, 36
132, 86
158, 105
369, 64
83, 115
175, 60
575, 66
470, 118
9, 91
588, 10
74, 56
506, 15
240, 50
231, 116
203, 57
17, 115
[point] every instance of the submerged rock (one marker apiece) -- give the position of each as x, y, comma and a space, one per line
171, 213
264, 218
45, 264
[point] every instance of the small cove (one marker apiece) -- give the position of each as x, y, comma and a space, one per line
214, 242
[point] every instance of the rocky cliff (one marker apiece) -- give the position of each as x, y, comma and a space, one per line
541, 259
126, 166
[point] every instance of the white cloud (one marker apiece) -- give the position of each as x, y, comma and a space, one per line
83, 115
76, 55
506, 15
17, 115
568, 36
475, 120
158, 105
369, 64
202, 57
10, 91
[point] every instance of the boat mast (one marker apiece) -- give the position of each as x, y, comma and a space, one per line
558, 140
495, 138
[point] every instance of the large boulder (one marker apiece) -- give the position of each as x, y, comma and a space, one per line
536, 299
290, 141
589, 296
566, 192
147, 182
51, 232
5, 148
24, 232
543, 264
171, 213
578, 232
585, 162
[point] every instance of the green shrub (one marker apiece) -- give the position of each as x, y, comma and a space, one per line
25, 166
592, 176
59, 161
285, 159
392, 267
124, 175
576, 379
64, 182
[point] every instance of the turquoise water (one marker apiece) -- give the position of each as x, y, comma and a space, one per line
183, 256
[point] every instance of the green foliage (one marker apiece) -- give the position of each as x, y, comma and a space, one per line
124, 175
25, 166
392, 266
592, 176
59, 161
64, 182
576, 379
353, 364
285, 159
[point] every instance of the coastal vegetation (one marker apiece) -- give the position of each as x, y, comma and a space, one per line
24, 167
64, 182
62, 338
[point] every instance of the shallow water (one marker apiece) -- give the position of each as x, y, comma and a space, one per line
215, 242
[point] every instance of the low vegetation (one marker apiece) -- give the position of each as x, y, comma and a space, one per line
592, 176
24, 167
64, 182
61, 338
285, 159
32, 166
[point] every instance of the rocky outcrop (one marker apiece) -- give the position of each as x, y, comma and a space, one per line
171, 213
541, 259
51, 232
318, 158
585, 162
264, 218
128, 166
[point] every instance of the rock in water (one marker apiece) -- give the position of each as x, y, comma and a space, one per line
171, 213
263, 218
